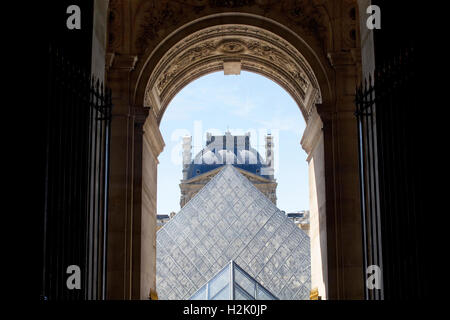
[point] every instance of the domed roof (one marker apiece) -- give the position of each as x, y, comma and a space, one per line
209, 158
248, 156
227, 157
227, 149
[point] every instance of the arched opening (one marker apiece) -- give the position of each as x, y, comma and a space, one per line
246, 109
265, 36
234, 48
322, 85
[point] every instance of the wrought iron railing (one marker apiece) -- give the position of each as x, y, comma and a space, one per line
76, 182
387, 114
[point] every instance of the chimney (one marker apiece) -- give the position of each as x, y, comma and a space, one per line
269, 156
187, 155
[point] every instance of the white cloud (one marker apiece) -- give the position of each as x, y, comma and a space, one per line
283, 124
241, 108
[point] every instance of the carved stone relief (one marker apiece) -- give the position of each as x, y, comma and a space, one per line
205, 51
309, 14
156, 16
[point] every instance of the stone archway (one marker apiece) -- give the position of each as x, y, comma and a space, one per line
300, 55
224, 47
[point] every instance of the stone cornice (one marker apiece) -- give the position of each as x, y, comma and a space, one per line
152, 135
256, 49
312, 132
140, 114
152, 18
205, 175
342, 58
202, 176
109, 60
124, 62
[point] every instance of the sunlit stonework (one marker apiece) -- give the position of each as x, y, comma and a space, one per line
257, 51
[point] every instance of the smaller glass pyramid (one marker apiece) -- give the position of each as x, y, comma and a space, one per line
232, 283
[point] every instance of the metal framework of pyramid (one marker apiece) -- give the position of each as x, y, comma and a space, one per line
232, 283
230, 219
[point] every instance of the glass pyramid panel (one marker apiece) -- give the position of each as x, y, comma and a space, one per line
225, 286
230, 219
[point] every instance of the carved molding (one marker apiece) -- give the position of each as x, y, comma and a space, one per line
124, 62
152, 136
231, 3
342, 58
258, 51
109, 60
311, 15
311, 135
140, 115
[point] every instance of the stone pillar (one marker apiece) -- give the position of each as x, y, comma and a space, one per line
344, 244
187, 155
122, 215
137, 245
153, 145
269, 157
313, 144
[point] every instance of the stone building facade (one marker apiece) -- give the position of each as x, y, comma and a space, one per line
317, 50
311, 48
227, 149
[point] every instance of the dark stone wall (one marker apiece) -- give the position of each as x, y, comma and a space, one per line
76, 44
400, 27
402, 170
48, 29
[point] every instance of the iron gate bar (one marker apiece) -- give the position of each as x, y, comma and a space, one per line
76, 181
389, 203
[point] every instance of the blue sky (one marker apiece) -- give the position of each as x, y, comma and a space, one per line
247, 102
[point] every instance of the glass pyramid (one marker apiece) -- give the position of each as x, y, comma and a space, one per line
230, 219
232, 283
